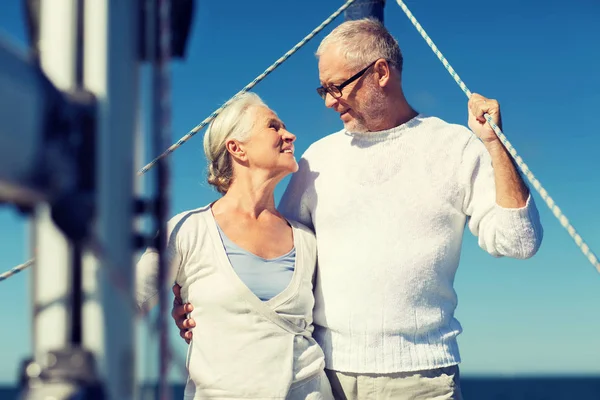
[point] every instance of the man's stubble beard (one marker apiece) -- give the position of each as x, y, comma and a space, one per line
370, 111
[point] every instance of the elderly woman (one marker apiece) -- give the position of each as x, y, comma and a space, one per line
247, 269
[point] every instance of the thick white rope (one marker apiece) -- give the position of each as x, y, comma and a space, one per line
16, 270
585, 249
246, 88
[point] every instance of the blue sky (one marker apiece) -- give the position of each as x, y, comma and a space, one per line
540, 316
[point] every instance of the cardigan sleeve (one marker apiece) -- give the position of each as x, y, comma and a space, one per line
147, 267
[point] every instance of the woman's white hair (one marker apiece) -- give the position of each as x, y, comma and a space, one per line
234, 122
363, 41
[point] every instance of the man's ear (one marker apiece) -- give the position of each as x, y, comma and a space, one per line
382, 69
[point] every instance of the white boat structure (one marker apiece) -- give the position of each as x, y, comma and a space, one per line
68, 141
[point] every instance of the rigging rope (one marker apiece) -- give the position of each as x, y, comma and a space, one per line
167, 352
117, 281
564, 221
16, 270
246, 88
218, 111
585, 249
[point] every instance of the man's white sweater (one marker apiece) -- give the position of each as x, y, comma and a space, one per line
389, 210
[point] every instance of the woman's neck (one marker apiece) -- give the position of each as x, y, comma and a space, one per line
249, 197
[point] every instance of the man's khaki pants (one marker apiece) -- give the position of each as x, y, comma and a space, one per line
435, 384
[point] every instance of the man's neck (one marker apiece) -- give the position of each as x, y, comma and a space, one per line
396, 113
397, 120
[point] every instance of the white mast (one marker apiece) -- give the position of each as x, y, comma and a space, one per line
111, 74
75, 144
91, 45
50, 277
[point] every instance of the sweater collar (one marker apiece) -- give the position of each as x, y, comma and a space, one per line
387, 134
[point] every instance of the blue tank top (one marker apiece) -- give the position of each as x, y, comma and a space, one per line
266, 278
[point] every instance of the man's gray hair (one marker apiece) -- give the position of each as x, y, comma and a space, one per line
363, 41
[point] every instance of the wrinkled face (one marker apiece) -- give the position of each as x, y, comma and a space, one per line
270, 146
361, 100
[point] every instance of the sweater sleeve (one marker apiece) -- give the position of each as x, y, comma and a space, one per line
147, 267
295, 202
510, 232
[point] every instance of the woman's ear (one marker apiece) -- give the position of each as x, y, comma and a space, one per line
235, 149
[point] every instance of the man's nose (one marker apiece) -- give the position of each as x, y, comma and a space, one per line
330, 101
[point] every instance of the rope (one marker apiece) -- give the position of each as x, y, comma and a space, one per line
564, 221
246, 88
585, 249
120, 284
212, 116
16, 270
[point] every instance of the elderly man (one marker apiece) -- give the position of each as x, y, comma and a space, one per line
389, 197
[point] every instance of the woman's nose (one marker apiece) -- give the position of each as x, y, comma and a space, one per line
289, 137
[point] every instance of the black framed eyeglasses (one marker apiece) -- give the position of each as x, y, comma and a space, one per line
336, 90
